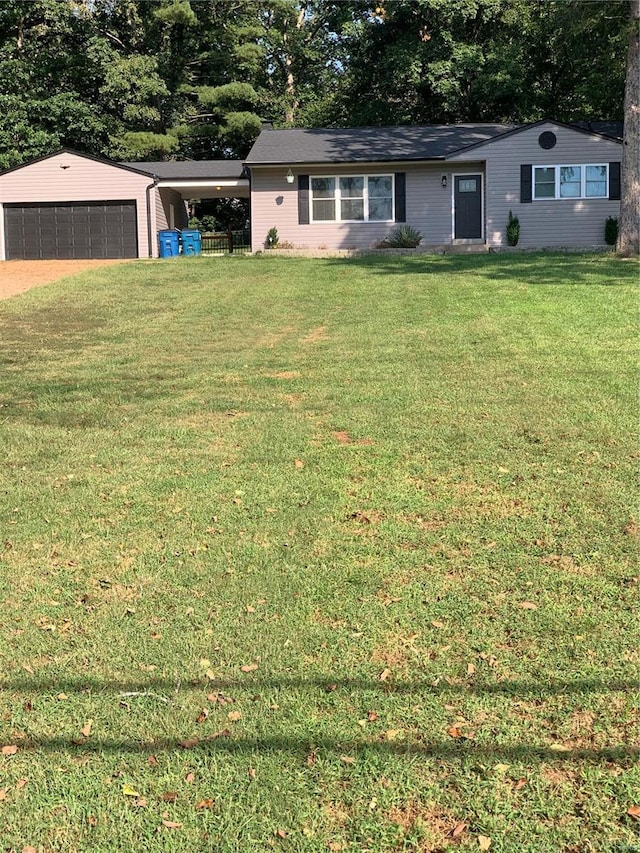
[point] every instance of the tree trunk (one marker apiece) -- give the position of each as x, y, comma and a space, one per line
629, 223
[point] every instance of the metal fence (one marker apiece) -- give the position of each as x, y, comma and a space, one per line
226, 243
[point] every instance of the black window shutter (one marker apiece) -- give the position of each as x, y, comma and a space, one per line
400, 212
525, 183
303, 199
614, 180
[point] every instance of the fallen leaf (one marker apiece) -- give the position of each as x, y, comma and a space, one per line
249, 667
234, 716
455, 731
10, 749
21, 783
202, 716
221, 733
141, 803
152, 761
384, 675
251, 773
347, 759
484, 842
299, 463
311, 759
169, 796
560, 747
372, 716
189, 743
458, 829
28, 849
501, 768
86, 729
3, 794
205, 804
250, 609
190, 777
527, 605
330, 688
520, 784
171, 824
128, 791
436, 624
205, 663
634, 811
470, 669
92, 820
280, 833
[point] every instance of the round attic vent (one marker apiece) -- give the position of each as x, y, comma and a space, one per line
547, 140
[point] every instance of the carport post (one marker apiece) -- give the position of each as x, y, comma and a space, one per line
151, 231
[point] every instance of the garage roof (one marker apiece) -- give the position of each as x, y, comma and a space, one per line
181, 170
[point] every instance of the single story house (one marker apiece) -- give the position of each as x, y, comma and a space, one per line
456, 184
332, 189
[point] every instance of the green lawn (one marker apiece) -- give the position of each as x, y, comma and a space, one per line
313, 555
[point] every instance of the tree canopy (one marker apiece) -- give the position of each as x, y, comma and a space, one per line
135, 80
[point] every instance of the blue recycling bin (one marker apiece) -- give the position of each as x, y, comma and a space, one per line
169, 243
191, 242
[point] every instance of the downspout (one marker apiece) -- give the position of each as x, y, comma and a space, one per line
150, 236
247, 169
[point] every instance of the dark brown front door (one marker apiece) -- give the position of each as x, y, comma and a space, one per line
467, 207
95, 229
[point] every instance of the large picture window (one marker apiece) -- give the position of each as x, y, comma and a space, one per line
584, 181
352, 198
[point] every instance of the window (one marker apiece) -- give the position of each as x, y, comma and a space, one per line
585, 181
352, 198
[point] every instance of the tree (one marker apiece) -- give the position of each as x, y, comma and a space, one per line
629, 224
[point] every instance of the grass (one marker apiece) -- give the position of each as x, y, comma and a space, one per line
320, 555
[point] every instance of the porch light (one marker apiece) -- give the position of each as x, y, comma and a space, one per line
443, 181
290, 177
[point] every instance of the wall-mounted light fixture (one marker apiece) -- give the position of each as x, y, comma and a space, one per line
290, 177
443, 181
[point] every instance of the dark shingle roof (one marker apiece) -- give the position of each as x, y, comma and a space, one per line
368, 144
180, 170
606, 128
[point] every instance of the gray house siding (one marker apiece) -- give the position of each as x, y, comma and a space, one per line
164, 198
429, 205
549, 222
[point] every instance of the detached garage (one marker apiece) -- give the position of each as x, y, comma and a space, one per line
70, 205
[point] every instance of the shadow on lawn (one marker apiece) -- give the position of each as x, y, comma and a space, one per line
160, 691
528, 268
227, 741
328, 684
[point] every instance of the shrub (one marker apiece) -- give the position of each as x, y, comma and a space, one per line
513, 229
611, 230
208, 223
194, 223
403, 237
272, 238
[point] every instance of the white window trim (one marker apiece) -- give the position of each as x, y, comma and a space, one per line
583, 182
337, 198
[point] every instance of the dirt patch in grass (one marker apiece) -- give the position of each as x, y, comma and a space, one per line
283, 374
316, 335
343, 437
20, 276
434, 826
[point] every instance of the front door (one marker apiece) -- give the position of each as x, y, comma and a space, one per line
467, 207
